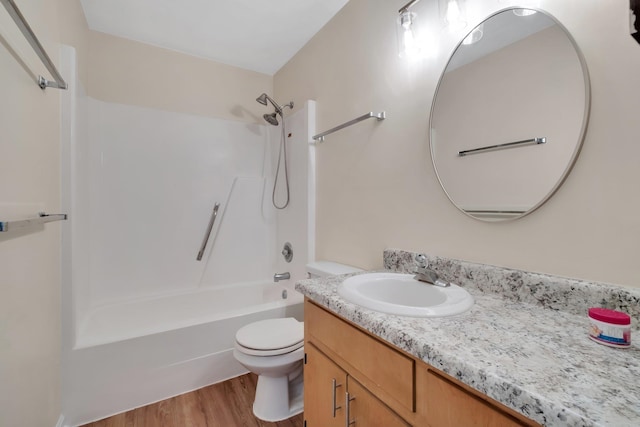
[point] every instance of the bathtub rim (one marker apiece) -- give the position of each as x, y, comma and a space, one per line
84, 339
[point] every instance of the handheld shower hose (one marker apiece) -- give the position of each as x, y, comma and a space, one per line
282, 151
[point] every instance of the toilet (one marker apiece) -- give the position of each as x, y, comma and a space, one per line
273, 349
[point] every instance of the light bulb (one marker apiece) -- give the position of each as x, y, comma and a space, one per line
454, 15
406, 19
453, 11
474, 36
409, 46
524, 12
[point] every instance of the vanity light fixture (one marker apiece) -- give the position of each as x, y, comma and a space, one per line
408, 46
406, 7
413, 42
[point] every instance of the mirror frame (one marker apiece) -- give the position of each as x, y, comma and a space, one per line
578, 143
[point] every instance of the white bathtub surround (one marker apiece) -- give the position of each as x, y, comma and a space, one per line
142, 188
154, 179
528, 352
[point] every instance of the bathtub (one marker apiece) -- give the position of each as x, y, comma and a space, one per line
138, 352
227, 304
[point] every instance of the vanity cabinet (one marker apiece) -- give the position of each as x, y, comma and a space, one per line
336, 397
387, 387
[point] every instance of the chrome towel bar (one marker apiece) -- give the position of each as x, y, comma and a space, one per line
41, 219
28, 33
380, 116
207, 234
501, 146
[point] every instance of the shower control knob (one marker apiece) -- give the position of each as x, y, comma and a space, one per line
287, 252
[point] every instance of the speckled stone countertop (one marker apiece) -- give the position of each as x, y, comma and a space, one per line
523, 343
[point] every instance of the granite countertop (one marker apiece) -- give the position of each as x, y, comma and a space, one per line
535, 360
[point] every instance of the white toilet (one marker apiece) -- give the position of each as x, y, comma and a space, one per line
274, 349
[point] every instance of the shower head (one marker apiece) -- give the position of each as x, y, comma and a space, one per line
271, 118
262, 99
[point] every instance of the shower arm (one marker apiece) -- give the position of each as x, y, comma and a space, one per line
280, 109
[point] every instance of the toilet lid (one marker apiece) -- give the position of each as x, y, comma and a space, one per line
271, 334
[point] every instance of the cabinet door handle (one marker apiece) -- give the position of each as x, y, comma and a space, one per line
335, 385
347, 417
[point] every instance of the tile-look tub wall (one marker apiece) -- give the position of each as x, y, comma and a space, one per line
557, 293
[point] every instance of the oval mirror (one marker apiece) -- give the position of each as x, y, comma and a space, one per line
509, 115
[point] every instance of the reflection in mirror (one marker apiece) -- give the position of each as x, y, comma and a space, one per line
514, 98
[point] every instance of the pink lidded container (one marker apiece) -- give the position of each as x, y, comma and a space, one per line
610, 327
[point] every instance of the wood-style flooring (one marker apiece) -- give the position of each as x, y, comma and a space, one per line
227, 404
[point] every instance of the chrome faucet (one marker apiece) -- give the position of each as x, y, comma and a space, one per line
281, 276
424, 274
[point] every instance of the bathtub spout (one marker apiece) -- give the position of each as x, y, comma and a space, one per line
281, 276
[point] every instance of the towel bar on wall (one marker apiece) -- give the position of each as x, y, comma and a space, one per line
501, 146
380, 116
30, 222
28, 33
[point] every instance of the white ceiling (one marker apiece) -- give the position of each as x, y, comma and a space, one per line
258, 35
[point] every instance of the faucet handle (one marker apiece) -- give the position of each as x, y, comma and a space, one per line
421, 259
287, 252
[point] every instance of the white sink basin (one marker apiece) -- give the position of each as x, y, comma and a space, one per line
401, 294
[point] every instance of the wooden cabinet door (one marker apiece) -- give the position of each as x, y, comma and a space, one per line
448, 405
379, 365
324, 390
365, 410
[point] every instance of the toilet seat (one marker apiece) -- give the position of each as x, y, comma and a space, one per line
270, 337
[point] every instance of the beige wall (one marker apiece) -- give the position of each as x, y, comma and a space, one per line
376, 184
133, 73
30, 261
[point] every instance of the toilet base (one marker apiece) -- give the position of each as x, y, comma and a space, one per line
278, 398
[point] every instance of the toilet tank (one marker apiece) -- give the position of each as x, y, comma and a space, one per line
329, 268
